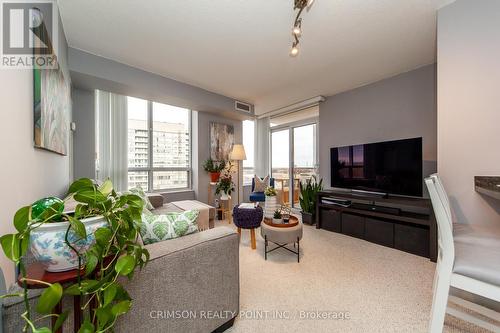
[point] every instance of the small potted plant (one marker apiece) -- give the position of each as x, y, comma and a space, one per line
270, 204
277, 217
308, 194
214, 168
224, 187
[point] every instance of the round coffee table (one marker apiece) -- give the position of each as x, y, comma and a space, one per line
281, 235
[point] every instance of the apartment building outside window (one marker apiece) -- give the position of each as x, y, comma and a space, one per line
159, 145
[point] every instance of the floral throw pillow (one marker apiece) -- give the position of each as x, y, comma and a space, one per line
157, 228
140, 192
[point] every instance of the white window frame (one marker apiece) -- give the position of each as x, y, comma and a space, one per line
150, 169
290, 127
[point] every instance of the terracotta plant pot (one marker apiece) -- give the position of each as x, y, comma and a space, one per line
214, 176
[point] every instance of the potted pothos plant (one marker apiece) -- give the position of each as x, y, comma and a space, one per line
113, 252
214, 168
308, 197
224, 186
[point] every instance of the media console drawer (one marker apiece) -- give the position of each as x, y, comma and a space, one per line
330, 220
353, 225
379, 232
412, 239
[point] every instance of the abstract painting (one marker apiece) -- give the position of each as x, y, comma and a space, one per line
52, 97
221, 141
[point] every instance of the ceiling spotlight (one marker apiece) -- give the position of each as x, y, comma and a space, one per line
294, 51
297, 31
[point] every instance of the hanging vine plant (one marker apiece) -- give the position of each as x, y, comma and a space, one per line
114, 253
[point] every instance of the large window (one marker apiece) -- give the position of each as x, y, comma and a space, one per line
248, 143
159, 145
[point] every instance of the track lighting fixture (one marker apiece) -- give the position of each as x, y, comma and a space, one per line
299, 5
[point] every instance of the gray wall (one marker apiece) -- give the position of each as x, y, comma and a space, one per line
201, 123
84, 136
469, 107
90, 72
399, 107
27, 173
93, 72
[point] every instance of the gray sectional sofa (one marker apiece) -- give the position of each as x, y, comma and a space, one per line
191, 284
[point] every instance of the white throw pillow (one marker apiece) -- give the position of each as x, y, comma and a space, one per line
261, 184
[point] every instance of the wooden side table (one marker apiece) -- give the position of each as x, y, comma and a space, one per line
227, 212
225, 206
36, 271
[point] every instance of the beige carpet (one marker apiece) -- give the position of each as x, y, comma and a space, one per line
380, 289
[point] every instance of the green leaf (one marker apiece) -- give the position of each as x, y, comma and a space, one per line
125, 265
77, 227
73, 290
110, 293
90, 263
121, 308
87, 285
80, 184
49, 298
145, 253
122, 294
89, 196
104, 315
22, 218
134, 201
103, 236
60, 320
10, 245
106, 188
87, 327
42, 330
81, 210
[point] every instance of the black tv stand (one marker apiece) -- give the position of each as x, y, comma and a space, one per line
407, 224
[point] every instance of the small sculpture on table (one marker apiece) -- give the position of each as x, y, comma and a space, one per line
285, 212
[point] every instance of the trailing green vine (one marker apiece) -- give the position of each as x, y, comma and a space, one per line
115, 253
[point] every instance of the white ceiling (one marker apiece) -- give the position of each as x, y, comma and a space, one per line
239, 48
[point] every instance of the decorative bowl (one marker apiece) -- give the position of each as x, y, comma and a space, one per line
48, 246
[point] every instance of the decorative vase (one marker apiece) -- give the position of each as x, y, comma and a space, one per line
277, 221
224, 196
48, 245
214, 176
270, 206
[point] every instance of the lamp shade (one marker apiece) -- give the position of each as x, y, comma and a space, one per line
238, 153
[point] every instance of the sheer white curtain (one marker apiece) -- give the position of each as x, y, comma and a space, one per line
262, 133
112, 128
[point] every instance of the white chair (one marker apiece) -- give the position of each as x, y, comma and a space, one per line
470, 265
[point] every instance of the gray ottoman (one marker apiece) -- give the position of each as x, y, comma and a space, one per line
281, 236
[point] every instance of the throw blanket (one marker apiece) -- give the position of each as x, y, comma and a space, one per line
203, 218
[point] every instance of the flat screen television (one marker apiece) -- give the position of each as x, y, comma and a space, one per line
392, 167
